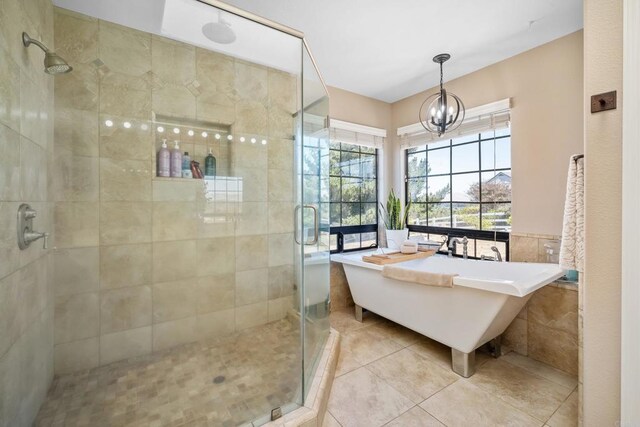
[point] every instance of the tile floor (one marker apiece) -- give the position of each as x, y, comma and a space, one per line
261, 367
388, 375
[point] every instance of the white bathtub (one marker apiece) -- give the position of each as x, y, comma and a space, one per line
484, 300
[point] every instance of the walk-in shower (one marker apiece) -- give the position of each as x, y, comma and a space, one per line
181, 298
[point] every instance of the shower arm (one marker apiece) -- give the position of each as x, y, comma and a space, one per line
26, 40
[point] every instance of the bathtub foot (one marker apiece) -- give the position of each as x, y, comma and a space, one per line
463, 364
358, 313
496, 346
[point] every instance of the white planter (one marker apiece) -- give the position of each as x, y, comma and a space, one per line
395, 238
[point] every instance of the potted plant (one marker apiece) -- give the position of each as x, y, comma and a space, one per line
395, 221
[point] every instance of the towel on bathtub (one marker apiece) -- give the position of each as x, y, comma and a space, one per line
420, 277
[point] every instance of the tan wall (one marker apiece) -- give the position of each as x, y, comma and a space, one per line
545, 85
26, 144
145, 263
351, 107
603, 157
354, 108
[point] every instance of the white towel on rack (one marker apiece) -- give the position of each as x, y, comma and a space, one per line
572, 245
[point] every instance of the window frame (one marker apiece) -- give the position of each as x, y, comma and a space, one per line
486, 235
342, 230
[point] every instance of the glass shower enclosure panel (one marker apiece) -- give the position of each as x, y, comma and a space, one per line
314, 216
219, 265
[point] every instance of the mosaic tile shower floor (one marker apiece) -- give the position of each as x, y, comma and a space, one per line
261, 369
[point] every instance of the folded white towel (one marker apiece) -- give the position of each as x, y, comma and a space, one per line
572, 245
420, 277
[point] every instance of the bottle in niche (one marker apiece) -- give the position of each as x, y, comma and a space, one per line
186, 166
164, 162
176, 161
210, 165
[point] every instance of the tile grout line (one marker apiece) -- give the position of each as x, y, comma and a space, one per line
507, 403
334, 417
537, 374
562, 403
434, 394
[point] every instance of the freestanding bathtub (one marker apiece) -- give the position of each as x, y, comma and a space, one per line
485, 298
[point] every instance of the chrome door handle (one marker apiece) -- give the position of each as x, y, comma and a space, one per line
316, 225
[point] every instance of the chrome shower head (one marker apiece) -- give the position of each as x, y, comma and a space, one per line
219, 32
53, 64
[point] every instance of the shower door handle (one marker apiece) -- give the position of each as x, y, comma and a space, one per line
316, 224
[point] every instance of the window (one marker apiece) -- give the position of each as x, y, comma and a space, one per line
462, 186
353, 171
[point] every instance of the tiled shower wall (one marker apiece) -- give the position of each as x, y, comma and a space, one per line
145, 263
26, 144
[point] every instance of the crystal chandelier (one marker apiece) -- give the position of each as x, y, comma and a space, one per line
442, 111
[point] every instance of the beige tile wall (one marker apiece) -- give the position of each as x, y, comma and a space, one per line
26, 147
340, 294
547, 328
144, 263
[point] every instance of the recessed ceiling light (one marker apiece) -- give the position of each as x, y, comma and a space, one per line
108, 123
264, 142
217, 136
160, 129
144, 126
127, 125
230, 137
190, 133
253, 140
242, 139
176, 131
204, 134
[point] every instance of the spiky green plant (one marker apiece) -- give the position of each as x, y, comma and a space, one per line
392, 215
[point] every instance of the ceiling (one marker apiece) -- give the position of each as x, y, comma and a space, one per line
384, 49
381, 49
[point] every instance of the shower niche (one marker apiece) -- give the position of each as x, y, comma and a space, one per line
198, 138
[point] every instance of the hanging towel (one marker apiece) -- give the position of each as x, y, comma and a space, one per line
572, 245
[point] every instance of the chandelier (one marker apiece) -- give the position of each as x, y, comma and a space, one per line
442, 111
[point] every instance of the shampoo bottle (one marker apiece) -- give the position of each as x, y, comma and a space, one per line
176, 162
210, 165
164, 166
186, 166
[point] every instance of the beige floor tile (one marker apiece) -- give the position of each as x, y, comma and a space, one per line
367, 345
360, 398
534, 395
567, 414
346, 362
398, 333
330, 421
415, 417
344, 320
463, 404
417, 377
541, 369
441, 353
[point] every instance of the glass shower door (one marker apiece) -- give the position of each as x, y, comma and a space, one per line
314, 217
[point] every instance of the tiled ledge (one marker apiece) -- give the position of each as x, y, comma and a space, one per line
564, 284
312, 414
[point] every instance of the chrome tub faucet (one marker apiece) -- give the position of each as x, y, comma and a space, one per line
453, 244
